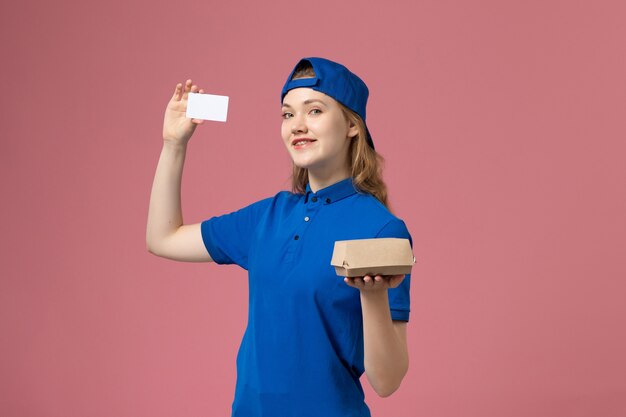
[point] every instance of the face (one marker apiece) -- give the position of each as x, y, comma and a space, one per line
315, 131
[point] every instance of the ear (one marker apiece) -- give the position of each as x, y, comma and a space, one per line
353, 130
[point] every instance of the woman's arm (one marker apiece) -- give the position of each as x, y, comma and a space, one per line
385, 342
166, 236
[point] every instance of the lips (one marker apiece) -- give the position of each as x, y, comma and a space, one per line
302, 142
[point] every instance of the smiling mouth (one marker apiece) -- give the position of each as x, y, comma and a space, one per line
299, 143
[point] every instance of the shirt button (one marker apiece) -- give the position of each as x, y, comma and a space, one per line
296, 237
328, 201
314, 199
306, 219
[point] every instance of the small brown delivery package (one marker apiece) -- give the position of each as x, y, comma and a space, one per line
381, 256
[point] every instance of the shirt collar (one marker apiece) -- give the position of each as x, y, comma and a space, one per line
332, 193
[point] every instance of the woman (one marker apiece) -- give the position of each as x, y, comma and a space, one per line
310, 334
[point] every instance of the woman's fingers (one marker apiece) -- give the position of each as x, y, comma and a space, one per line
187, 89
190, 87
177, 91
377, 282
366, 281
373, 280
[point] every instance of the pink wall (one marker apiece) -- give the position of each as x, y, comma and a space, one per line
503, 128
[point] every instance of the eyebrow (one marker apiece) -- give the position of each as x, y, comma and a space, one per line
307, 102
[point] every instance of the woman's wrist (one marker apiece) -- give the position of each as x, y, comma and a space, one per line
178, 146
378, 297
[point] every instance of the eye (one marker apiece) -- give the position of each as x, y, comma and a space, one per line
316, 110
286, 115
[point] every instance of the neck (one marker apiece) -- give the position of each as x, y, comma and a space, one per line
318, 180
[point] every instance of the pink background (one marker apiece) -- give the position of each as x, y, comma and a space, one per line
503, 126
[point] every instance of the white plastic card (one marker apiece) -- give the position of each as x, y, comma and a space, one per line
207, 107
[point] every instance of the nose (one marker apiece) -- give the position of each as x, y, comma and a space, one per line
298, 124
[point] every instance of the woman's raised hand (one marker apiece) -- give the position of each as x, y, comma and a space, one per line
177, 127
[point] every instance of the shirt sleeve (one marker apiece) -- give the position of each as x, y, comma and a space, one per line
399, 297
227, 238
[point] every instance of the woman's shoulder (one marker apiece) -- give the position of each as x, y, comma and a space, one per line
280, 200
372, 204
286, 197
378, 212
279, 197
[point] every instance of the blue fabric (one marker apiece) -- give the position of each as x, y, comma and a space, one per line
302, 351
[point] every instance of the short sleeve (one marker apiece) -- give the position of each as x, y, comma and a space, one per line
227, 238
399, 297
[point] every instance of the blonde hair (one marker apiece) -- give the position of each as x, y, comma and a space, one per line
366, 165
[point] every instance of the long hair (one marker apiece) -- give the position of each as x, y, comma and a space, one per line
366, 165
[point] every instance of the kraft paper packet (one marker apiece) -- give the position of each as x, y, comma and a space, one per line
381, 256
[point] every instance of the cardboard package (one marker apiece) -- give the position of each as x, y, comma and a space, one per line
382, 256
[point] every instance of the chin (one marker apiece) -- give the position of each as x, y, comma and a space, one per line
304, 163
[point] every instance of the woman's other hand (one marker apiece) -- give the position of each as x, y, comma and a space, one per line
377, 283
177, 127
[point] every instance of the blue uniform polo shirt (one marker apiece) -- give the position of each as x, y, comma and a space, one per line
302, 351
